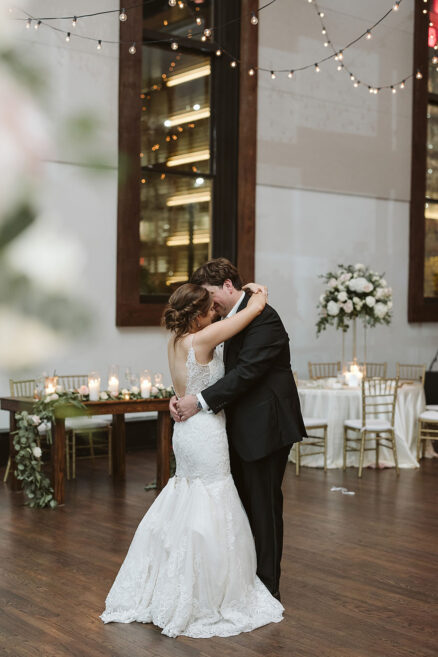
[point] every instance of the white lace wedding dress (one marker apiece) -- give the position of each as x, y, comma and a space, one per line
191, 566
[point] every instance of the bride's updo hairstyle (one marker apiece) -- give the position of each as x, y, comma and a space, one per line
187, 303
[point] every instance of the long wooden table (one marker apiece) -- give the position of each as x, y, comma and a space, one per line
117, 409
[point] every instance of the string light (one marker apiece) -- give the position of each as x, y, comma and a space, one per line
273, 76
368, 35
99, 45
74, 21
37, 25
67, 38
123, 16
181, 4
251, 71
203, 38
218, 52
323, 31
340, 67
321, 14
254, 19
198, 20
132, 49
418, 74
28, 23
207, 32
402, 84
317, 69
174, 45
356, 83
351, 77
172, 3
290, 74
326, 43
393, 89
396, 6
233, 63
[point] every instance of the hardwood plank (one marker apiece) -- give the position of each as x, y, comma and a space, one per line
358, 578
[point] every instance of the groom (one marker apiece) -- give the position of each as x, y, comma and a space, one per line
260, 398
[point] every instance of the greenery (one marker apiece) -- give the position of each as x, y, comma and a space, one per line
37, 488
354, 292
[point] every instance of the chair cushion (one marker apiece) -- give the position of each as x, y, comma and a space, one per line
85, 423
310, 422
371, 425
429, 416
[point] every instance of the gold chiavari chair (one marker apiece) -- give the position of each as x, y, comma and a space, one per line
414, 373
88, 427
372, 370
23, 388
427, 430
320, 442
379, 397
324, 370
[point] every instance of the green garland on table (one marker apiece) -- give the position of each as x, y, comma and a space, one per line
37, 487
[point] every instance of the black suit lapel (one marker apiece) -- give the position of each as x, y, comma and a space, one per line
227, 344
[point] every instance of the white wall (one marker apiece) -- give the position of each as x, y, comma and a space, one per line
333, 178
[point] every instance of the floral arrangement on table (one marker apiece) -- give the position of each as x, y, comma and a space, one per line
37, 487
354, 292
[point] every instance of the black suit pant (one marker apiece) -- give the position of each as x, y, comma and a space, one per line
259, 487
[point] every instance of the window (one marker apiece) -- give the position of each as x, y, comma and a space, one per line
423, 270
181, 150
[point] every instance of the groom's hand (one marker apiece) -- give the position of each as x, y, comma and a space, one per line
173, 409
187, 406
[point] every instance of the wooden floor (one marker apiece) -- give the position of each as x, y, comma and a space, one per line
359, 572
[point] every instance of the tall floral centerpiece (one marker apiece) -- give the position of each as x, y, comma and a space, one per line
354, 292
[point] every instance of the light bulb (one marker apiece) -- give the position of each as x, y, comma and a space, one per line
233, 64
321, 14
198, 20
402, 84
340, 67
218, 52
396, 6
74, 21
132, 49
290, 74
123, 16
323, 31
326, 44
181, 4
67, 38
172, 3
355, 84
370, 89
340, 55
99, 45
435, 60
394, 90
273, 76
351, 77
28, 23
368, 35
207, 32
418, 74
317, 69
251, 71
174, 45
37, 25
254, 19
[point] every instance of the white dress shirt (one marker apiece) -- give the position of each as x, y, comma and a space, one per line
220, 350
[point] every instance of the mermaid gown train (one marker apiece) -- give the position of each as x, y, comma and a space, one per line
191, 566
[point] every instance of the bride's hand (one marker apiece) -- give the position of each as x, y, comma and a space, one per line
255, 287
259, 298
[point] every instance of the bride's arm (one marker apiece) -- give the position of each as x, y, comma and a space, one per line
210, 336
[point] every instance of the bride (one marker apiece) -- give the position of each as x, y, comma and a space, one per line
191, 566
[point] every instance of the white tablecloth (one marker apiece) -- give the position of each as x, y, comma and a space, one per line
338, 405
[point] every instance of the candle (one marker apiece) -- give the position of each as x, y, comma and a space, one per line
126, 396
50, 385
145, 384
94, 386
113, 385
354, 376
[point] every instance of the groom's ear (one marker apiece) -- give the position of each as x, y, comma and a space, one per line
228, 285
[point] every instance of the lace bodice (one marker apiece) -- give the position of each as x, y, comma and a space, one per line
201, 376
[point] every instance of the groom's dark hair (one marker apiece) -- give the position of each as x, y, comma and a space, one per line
216, 272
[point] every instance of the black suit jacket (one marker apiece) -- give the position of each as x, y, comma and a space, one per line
258, 390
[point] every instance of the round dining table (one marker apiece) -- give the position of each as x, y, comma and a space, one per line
336, 403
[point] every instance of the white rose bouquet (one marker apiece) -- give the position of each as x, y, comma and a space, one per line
353, 292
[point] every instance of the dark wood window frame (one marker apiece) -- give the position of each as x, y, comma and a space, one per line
234, 235
420, 309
